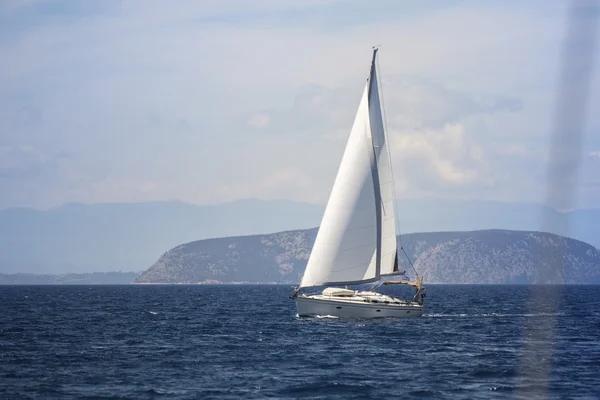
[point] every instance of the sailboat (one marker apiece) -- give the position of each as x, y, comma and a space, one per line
356, 242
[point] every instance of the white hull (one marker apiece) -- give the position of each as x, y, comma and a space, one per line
359, 306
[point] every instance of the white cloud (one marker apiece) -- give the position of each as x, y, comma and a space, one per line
206, 101
259, 121
435, 159
514, 150
419, 103
268, 186
120, 189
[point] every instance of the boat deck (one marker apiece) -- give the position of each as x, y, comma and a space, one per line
364, 297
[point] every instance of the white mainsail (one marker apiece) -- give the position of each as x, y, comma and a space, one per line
356, 242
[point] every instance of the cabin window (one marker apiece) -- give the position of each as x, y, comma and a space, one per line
339, 308
378, 310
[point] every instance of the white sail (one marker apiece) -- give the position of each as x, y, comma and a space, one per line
356, 242
346, 244
389, 265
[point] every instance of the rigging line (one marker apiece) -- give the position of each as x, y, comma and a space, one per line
386, 137
410, 262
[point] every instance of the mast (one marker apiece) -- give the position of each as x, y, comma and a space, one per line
374, 164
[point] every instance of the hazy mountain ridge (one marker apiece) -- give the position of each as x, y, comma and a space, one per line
96, 278
131, 236
478, 257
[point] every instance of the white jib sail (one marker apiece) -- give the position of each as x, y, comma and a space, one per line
386, 184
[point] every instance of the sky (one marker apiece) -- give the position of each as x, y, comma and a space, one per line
214, 101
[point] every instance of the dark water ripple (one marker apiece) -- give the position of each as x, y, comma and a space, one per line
221, 342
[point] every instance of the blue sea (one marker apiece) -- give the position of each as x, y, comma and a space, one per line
245, 342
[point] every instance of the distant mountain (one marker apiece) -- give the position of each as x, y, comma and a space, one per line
97, 278
478, 257
131, 236
436, 215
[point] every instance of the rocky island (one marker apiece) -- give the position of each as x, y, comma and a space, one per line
475, 257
